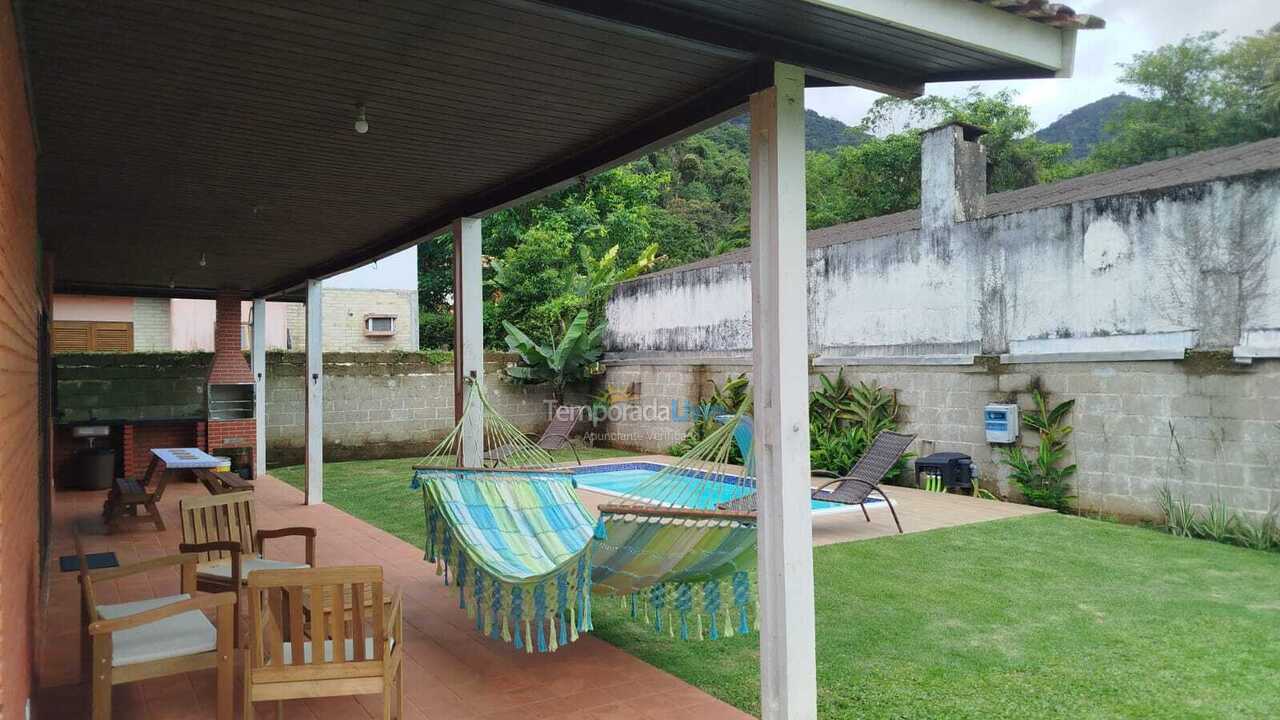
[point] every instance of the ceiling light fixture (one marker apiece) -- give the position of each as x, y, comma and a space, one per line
362, 122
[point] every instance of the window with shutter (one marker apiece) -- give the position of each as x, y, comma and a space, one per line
379, 325
88, 336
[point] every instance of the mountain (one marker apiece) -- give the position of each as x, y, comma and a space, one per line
820, 132
1085, 126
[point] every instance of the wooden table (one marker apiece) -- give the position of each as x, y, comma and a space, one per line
128, 495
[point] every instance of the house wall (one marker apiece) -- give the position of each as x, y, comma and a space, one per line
151, 325
20, 307
344, 313
92, 308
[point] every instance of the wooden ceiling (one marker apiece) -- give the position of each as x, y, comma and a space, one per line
188, 146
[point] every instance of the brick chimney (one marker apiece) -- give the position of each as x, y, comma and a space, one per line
231, 422
229, 366
953, 175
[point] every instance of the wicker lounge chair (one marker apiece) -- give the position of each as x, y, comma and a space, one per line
863, 479
554, 437
852, 488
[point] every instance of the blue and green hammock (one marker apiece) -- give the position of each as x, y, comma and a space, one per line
526, 555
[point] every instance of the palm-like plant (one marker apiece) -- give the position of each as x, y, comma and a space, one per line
1044, 481
574, 358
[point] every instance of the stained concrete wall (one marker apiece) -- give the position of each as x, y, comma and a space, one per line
1193, 265
1145, 307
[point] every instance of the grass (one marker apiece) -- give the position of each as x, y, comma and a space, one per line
1047, 616
377, 491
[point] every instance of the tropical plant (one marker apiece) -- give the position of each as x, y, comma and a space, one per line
724, 399
573, 359
1043, 479
844, 419
1179, 515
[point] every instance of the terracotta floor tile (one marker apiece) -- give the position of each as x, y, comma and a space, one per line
451, 672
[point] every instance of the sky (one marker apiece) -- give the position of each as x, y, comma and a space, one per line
1132, 26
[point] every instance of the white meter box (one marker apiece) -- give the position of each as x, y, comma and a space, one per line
1001, 422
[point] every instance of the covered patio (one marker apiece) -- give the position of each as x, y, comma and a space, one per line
250, 150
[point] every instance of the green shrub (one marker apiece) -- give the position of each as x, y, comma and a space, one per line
1044, 481
844, 420
435, 330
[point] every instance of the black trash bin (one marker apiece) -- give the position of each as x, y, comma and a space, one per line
955, 469
96, 468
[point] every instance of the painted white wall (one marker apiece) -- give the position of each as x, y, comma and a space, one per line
1194, 265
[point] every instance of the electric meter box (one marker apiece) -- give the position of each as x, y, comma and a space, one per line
1001, 422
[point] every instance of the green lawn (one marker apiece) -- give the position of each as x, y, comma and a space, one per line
1047, 616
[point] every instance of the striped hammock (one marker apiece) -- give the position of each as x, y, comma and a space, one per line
526, 555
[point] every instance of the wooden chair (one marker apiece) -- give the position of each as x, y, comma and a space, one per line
339, 647
132, 641
222, 531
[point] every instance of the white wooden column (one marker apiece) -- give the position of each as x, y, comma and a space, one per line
258, 354
315, 393
468, 332
780, 336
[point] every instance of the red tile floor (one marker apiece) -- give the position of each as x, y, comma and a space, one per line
452, 673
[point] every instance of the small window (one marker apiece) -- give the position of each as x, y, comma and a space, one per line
379, 325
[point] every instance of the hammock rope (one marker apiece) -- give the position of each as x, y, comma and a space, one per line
527, 556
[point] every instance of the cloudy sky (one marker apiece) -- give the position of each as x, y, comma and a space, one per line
1132, 26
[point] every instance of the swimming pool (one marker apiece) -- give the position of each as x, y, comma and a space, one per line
628, 480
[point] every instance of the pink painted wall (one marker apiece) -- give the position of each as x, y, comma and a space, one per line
191, 324
95, 308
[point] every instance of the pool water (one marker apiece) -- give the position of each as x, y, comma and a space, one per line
629, 479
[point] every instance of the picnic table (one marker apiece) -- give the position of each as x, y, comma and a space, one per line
128, 495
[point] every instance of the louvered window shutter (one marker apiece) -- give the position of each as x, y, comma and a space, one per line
84, 336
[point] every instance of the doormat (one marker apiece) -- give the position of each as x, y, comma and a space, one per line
97, 561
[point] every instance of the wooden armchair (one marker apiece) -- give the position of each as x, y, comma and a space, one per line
223, 533
132, 641
321, 633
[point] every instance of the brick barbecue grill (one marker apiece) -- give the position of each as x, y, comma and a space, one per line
230, 390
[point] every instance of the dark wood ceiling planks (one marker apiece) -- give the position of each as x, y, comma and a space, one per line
171, 130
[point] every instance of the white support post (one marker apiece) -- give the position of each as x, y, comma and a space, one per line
468, 333
258, 354
315, 393
779, 320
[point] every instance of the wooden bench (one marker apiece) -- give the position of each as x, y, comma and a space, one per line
127, 496
220, 483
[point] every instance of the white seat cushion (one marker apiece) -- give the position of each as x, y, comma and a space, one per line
178, 635
221, 569
328, 650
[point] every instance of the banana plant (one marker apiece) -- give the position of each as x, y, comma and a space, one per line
575, 357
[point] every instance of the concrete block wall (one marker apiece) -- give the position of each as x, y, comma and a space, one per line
377, 405
151, 329
400, 407
1205, 426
